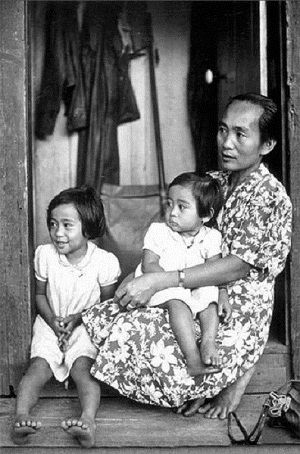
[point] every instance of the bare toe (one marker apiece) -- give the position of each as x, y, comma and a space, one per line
83, 429
24, 425
209, 353
205, 407
193, 407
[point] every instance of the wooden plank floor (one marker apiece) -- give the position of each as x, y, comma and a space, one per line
124, 426
127, 425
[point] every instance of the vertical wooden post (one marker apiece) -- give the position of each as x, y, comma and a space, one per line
293, 79
14, 196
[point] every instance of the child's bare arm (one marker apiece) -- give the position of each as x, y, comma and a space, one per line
108, 291
44, 309
150, 262
74, 320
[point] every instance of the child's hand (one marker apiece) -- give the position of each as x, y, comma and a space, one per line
225, 310
71, 322
63, 342
58, 326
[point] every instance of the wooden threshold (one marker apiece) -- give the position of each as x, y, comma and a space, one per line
127, 426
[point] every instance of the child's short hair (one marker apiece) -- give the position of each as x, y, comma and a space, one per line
89, 207
206, 190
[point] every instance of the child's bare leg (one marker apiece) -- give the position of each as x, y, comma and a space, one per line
209, 322
84, 427
32, 383
182, 323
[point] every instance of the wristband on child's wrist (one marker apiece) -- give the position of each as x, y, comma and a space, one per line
181, 278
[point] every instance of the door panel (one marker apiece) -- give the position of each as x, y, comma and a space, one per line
238, 61
225, 39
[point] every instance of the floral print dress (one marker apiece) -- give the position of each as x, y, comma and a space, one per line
138, 354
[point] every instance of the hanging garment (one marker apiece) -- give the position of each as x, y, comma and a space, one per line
87, 70
62, 72
129, 210
107, 80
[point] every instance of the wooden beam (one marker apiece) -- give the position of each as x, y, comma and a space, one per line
293, 80
14, 196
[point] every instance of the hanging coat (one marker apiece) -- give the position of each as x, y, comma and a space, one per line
88, 71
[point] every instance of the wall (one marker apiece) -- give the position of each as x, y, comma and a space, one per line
293, 73
15, 197
55, 159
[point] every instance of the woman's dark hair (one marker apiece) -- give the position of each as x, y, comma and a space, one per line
89, 207
269, 119
206, 190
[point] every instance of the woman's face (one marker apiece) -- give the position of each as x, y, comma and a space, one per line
239, 144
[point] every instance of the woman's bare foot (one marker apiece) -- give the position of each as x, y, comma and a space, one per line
24, 425
83, 429
222, 404
209, 353
228, 399
189, 408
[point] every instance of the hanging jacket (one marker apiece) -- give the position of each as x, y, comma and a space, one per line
88, 71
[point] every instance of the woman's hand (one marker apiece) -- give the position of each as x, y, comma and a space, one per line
137, 292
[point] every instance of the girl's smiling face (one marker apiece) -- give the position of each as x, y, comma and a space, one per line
66, 232
181, 212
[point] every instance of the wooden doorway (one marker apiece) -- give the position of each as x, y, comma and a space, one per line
16, 184
238, 47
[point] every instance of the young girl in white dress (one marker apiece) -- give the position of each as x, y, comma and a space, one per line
182, 241
72, 274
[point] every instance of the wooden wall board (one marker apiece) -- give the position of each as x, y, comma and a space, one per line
293, 78
15, 231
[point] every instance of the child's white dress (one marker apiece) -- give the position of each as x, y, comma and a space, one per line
70, 289
175, 254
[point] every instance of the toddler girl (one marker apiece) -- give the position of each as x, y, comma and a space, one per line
181, 242
72, 274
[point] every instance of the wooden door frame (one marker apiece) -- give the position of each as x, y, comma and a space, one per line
16, 188
293, 111
15, 196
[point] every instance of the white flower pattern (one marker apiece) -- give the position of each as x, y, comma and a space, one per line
144, 361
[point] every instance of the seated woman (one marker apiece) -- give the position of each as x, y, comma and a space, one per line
138, 354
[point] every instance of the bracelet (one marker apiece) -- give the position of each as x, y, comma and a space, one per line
181, 278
